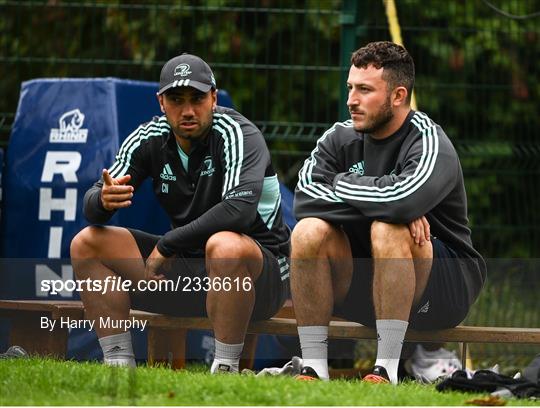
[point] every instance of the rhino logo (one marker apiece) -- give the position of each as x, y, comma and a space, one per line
69, 131
71, 121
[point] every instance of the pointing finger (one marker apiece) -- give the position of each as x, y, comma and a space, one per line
107, 179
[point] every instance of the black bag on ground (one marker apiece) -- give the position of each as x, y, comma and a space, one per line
532, 371
489, 381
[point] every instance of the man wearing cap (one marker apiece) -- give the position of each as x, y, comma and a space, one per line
228, 246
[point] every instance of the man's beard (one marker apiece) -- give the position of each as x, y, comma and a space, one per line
379, 120
183, 135
201, 131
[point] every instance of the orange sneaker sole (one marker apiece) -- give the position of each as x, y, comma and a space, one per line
375, 379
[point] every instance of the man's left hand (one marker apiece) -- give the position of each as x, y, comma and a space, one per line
156, 265
420, 230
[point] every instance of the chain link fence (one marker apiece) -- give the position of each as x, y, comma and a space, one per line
285, 64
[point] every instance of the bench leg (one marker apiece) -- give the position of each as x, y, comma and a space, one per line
26, 332
464, 353
167, 346
248, 354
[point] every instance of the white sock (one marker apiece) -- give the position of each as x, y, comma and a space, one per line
226, 357
314, 345
118, 350
390, 335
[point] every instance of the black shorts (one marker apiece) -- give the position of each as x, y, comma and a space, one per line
271, 288
444, 303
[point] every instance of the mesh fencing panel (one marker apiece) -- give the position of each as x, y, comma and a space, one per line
285, 63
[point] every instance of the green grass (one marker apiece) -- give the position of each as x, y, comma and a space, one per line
48, 382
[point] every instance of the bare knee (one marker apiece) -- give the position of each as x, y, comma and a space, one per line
84, 244
394, 238
309, 235
84, 250
232, 253
226, 244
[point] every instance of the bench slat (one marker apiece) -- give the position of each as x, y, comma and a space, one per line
287, 326
73, 309
343, 329
167, 333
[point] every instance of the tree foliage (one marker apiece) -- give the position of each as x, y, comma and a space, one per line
477, 75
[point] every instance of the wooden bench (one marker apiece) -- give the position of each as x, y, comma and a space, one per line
166, 334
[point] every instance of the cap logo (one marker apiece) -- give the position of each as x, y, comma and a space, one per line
182, 70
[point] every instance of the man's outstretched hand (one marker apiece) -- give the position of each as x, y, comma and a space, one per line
116, 193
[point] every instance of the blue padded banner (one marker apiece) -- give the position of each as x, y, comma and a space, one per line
65, 132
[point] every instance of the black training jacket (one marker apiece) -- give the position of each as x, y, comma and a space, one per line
351, 178
230, 184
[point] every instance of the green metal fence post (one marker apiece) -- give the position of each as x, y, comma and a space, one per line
348, 21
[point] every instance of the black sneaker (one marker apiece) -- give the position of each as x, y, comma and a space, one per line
379, 375
307, 374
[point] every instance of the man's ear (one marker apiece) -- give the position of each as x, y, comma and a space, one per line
214, 99
399, 96
160, 101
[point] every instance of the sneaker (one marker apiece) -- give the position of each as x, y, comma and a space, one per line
223, 369
292, 368
429, 366
307, 374
14, 352
379, 375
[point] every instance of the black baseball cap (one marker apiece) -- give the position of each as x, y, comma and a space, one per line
186, 70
